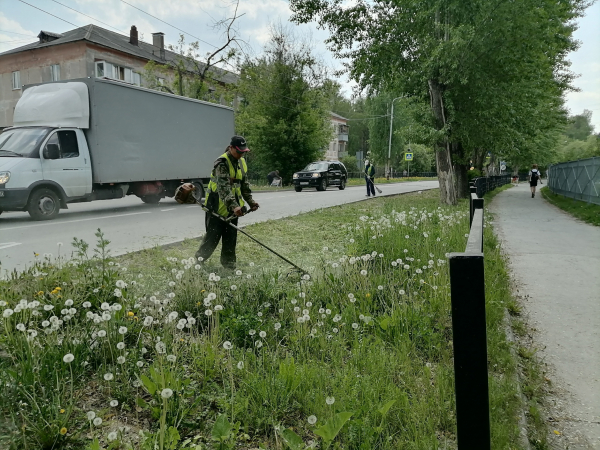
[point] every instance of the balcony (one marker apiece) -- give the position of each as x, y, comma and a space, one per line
343, 137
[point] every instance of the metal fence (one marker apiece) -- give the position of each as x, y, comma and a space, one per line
576, 179
394, 174
486, 184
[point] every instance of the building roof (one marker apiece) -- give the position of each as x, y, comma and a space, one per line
337, 116
115, 41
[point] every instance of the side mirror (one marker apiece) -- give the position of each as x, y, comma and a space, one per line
51, 151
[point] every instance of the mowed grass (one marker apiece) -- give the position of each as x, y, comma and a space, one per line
588, 212
150, 350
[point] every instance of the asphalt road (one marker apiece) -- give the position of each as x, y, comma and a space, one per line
131, 225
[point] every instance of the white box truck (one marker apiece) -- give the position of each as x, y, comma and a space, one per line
94, 139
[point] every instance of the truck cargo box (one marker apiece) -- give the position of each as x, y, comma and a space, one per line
137, 134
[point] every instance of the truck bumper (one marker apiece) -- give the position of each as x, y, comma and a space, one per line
13, 199
307, 182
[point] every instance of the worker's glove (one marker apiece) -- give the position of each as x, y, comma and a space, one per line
238, 212
254, 207
185, 193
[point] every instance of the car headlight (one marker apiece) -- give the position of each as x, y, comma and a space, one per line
295, 175
4, 177
316, 175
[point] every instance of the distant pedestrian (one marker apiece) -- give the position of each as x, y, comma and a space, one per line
404, 173
534, 176
370, 178
273, 176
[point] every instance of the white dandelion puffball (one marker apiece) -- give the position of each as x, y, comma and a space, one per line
68, 358
102, 333
350, 295
355, 326
252, 332
148, 321
262, 334
380, 287
218, 307
402, 292
97, 421
112, 435
240, 365
330, 400
227, 345
69, 302
233, 287
161, 347
86, 304
238, 272
208, 312
140, 363
363, 272
108, 376
91, 415
306, 277
121, 345
171, 358
122, 330
166, 393
277, 326
121, 360
312, 419
258, 344
114, 403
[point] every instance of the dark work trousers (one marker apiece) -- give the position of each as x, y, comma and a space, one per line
215, 230
370, 187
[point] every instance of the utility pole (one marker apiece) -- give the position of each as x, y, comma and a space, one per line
389, 166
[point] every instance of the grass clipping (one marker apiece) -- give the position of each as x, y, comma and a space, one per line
151, 351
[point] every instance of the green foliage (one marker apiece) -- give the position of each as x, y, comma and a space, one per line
579, 127
350, 162
588, 212
284, 114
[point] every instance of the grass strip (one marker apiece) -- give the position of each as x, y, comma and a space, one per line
150, 350
588, 212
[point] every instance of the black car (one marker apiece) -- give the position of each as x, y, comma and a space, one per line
321, 174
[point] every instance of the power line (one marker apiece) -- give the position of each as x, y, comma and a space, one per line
14, 32
17, 40
173, 26
79, 12
40, 9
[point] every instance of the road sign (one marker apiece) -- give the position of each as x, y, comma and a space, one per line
502, 167
408, 157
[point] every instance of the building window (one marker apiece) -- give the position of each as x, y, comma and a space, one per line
55, 72
16, 80
107, 70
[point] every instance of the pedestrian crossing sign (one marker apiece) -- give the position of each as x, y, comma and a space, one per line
408, 157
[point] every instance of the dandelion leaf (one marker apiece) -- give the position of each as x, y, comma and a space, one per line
172, 438
385, 408
292, 440
148, 384
384, 323
331, 429
221, 428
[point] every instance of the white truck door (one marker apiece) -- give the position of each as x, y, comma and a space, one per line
72, 168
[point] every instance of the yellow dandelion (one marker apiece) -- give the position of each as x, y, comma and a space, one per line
63, 431
198, 304
367, 295
40, 293
181, 340
203, 290
136, 318
130, 314
62, 411
57, 288
36, 254
556, 432
53, 291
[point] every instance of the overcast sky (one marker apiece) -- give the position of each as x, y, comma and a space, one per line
20, 23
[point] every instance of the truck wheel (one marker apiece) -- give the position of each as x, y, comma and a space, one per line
151, 199
342, 185
43, 204
297, 188
322, 185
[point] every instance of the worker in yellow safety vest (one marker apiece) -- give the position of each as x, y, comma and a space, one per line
228, 192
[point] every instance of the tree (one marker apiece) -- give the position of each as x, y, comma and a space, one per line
187, 75
284, 114
486, 68
580, 126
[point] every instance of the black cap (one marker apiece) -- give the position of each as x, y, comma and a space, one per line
239, 143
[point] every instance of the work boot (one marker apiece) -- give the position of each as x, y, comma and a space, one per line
532, 195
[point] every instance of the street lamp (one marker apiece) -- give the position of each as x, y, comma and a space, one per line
390, 141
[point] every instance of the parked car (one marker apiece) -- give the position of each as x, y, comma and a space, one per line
321, 174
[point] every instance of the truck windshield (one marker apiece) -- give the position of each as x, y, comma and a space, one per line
22, 142
316, 166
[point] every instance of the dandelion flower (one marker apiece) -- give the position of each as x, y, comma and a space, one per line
259, 344
363, 272
233, 287
69, 302
402, 292
108, 376
252, 332
122, 330
380, 287
306, 277
114, 403
262, 334
68, 358
102, 333
227, 345
161, 348
20, 327
330, 400
208, 312
63, 431
140, 364
355, 325
166, 393
97, 421
312, 419
218, 307
277, 326
121, 345
91, 415
112, 435
121, 360
240, 365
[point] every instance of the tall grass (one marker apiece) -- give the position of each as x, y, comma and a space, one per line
356, 355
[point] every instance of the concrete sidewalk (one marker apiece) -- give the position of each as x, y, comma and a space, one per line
555, 260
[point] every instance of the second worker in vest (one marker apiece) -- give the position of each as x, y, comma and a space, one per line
228, 192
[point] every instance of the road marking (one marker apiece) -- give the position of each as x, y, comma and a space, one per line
73, 221
165, 210
8, 244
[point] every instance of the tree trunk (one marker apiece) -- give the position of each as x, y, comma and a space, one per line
479, 157
515, 170
443, 158
460, 170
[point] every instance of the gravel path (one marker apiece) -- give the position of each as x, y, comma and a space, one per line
555, 260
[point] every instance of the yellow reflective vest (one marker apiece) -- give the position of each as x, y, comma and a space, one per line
235, 182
